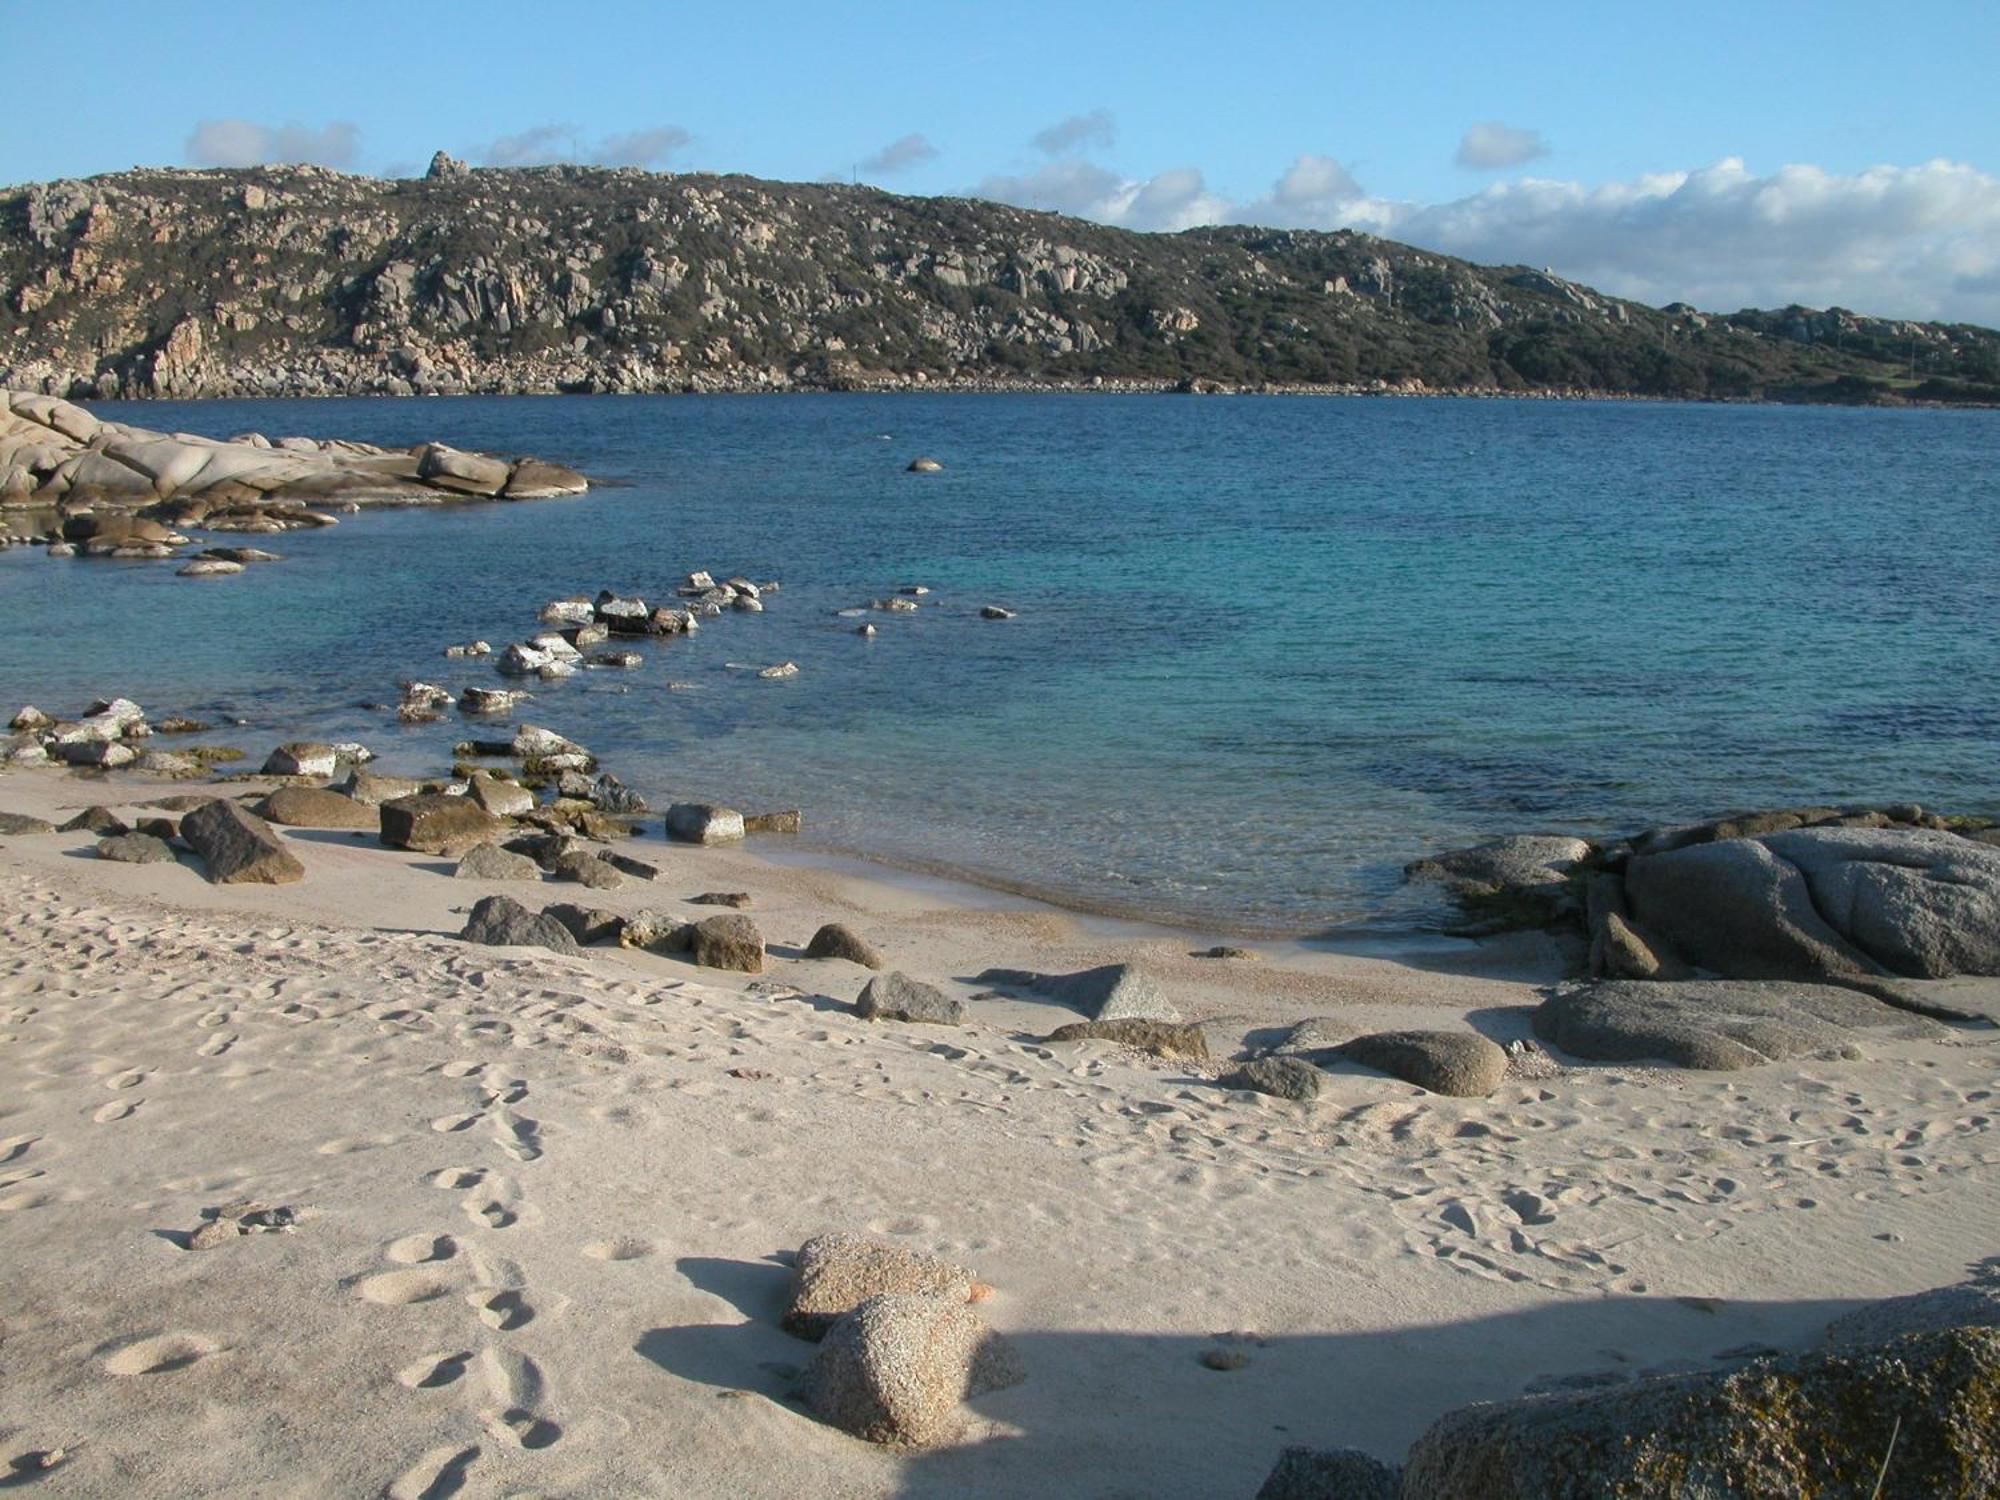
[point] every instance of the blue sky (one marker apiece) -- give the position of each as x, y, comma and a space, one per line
1640, 149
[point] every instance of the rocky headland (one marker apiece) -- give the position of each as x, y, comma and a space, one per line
294, 281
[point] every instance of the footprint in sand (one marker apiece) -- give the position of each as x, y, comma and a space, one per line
626, 1248
456, 1177
131, 1078
438, 1475
520, 1137
503, 1311
493, 1202
216, 1045
402, 1288
448, 1124
417, 1249
516, 1393
161, 1354
348, 1144
433, 1371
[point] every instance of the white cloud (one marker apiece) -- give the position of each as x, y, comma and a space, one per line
1489, 146
245, 143
1916, 241
552, 145
1094, 129
900, 156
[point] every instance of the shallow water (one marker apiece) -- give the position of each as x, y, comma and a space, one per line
1268, 650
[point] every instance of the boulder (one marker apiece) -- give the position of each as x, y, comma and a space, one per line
534, 479
1165, 1039
925, 466
108, 754
834, 1273
1910, 1419
1523, 880
491, 862
703, 823
464, 473
238, 847
728, 942
503, 922
431, 823
994, 612
533, 742
788, 821
169, 763
1972, 1303
135, 849
301, 758
481, 700
1284, 1077
1717, 1023
895, 1369
372, 790
656, 932
1460, 1063
316, 807
897, 997
504, 799
98, 820
587, 924
1110, 992
31, 717
1330, 1474
585, 868
208, 567
838, 940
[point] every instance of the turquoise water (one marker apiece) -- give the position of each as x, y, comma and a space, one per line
1267, 649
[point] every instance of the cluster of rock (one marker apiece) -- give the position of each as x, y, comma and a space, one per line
1896, 1403
99, 488
1769, 935
109, 734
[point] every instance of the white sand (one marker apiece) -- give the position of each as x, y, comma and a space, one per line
542, 1216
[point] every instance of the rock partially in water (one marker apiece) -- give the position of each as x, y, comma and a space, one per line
302, 758
704, 823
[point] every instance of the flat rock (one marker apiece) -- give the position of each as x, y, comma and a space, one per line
897, 997
491, 862
1171, 1040
373, 789
1717, 1023
1283, 1077
728, 942
432, 823
720, 898
316, 807
834, 1273
134, 849
585, 868
838, 940
703, 823
895, 1369
1460, 1063
503, 922
238, 847
1819, 1423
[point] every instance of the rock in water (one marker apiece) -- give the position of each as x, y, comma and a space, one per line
491, 862
1821, 1423
1283, 1077
503, 922
301, 758
897, 997
1330, 1474
1716, 1023
728, 942
835, 1273
896, 1368
838, 940
1165, 1039
238, 847
925, 466
316, 807
1460, 1063
703, 823
431, 823
135, 849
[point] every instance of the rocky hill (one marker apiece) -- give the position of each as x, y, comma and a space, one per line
303, 281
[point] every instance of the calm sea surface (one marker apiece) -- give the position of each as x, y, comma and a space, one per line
1267, 649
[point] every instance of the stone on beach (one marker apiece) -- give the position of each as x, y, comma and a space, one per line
703, 823
834, 1273
1282, 1077
316, 807
1110, 992
99, 820
491, 862
1330, 1474
238, 847
897, 997
720, 898
502, 922
586, 868
1459, 1063
838, 940
135, 849
302, 758
431, 823
587, 924
656, 932
373, 789
1171, 1040
728, 942
502, 798
895, 1370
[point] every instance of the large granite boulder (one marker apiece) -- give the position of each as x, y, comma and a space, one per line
730, 941
1717, 1023
895, 1369
834, 1273
1826, 903
1460, 1063
503, 922
238, 847
302, 758
897, 997
431, 823
316, 807
1910, 1419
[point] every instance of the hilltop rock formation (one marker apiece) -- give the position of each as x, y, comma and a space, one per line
297, 280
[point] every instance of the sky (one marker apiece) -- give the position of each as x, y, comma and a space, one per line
1750, 154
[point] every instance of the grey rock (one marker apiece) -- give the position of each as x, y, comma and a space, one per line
895, 1369
1164, 1039
1819, 1423
98, 820
655, 931
897, 997
703, 823
1330, 1474
1284, 1077
838, 940
1717, 1023
585, 868
373, 790
134, 849
431, 823
834, 1273
17, 825
587, 924
994, 612
728, 942
504, 799
503, 922
1110, 992
301, 758
238, 847
316, 807
1972, 1303
1920, 903
1460, 1063
721, 898
491, 862
1528, 865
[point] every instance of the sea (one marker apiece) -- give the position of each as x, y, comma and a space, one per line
1265, 650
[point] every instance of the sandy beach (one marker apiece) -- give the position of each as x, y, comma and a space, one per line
545, 1206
